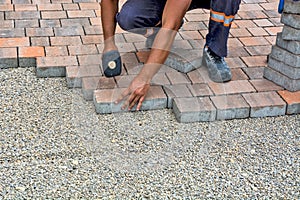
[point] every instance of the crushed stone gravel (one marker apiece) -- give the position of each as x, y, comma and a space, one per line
54, 146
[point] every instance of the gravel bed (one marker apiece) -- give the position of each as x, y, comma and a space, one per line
54, 146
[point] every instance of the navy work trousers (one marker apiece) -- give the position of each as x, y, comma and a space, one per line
139, 14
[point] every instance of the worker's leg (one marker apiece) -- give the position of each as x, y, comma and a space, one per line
135, 15
221, 16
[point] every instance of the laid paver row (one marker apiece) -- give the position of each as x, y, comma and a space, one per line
193, 109
218, 90
63, 38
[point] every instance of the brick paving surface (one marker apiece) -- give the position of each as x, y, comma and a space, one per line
64, 38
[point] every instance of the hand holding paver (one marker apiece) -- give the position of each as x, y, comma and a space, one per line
135, 93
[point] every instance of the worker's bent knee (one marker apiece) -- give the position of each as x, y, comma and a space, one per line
126, 20
136, 15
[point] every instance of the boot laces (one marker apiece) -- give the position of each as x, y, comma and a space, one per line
215, 57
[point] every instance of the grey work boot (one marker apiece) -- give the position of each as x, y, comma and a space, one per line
218, 69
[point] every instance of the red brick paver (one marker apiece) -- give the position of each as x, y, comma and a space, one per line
194, 109
104, 100
74, 74
232, 87
292, 99
65, 38
173, 91
265, 104
231, 106
31, 52
263, 85
14, 42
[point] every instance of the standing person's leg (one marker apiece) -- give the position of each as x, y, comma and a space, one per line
221, 16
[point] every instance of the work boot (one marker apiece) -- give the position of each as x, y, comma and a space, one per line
218, 70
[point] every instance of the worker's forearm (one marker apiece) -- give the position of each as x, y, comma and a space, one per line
109, 9
159, 52
173, 14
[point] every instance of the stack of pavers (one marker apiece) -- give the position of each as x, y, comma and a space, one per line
284, 60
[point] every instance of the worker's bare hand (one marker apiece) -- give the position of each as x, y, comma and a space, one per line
135, 93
